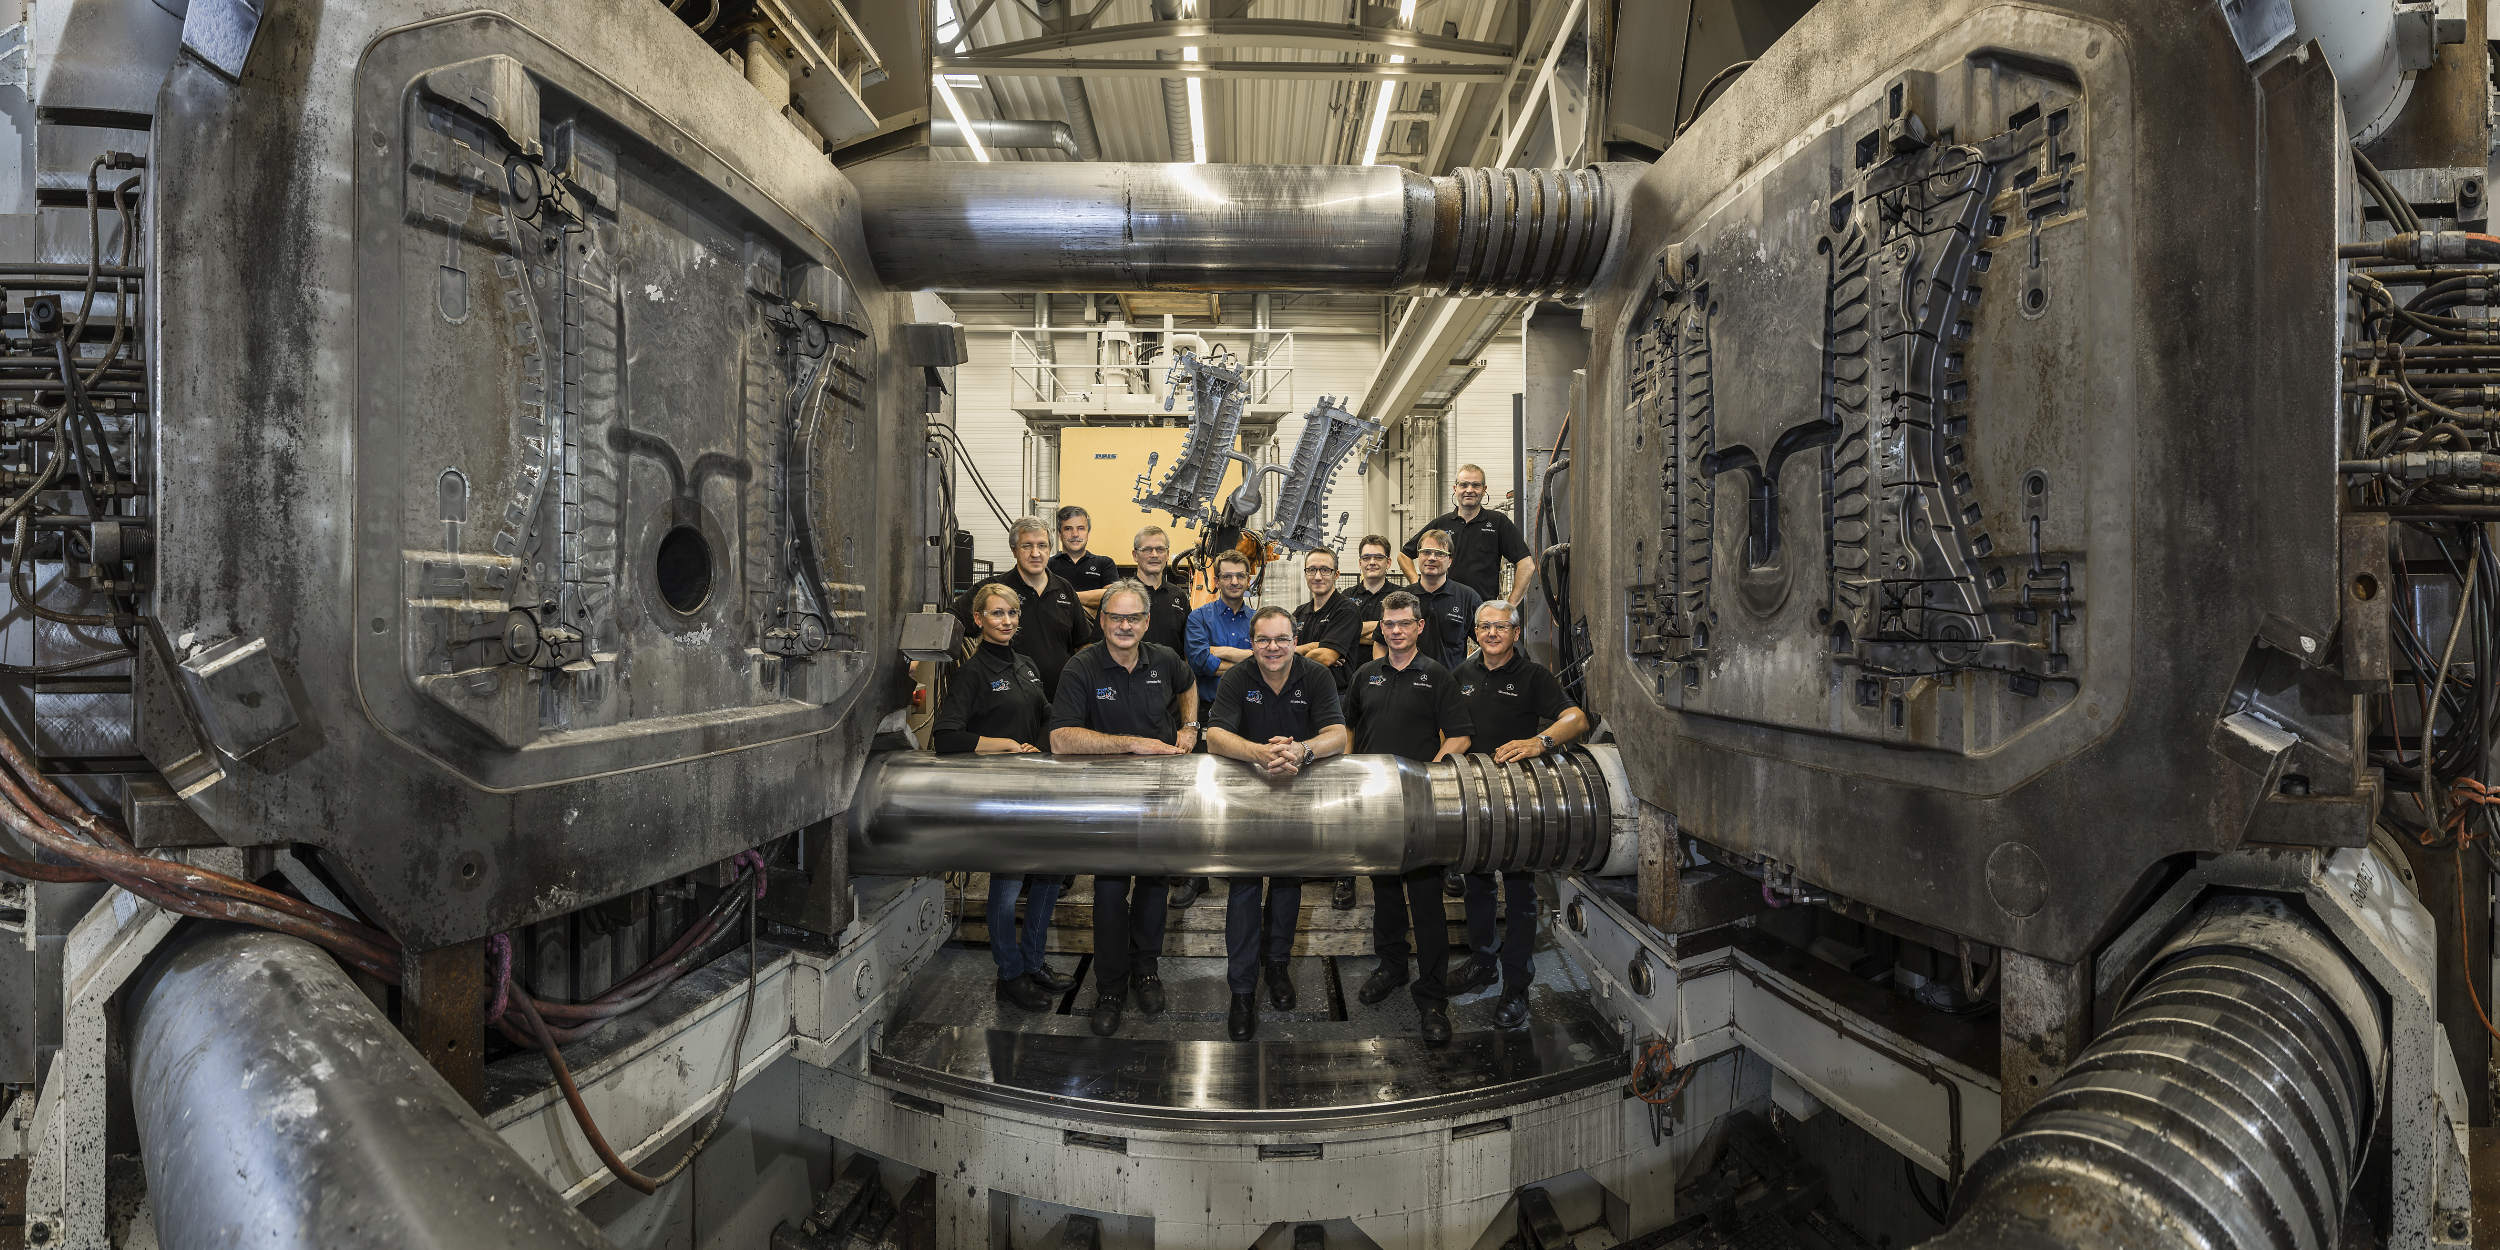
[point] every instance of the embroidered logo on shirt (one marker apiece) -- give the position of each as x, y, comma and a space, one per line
1380, 679
999, 684
1252, 696
1106, 694
1467, 688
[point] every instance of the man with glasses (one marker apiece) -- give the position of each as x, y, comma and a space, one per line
1218, 638
1278, 714
1480, 541
1449, 605
1125, 696
1152, 550
1405, 704
1330, 624
1087, 571
1054, 621
1372, 562
1519, 709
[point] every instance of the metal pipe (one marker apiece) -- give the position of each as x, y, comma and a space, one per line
1203, 815
2229, 1105
999, 133
1068, 226
278, 1109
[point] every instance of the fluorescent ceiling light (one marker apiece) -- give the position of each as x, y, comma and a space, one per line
955, 109
1388, 92
968, 82
1197, 112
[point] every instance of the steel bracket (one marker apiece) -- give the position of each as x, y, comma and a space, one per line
65, 1197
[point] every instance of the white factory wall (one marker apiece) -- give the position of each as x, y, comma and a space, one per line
1340, 365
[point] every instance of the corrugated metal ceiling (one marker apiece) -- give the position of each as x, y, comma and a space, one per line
1285, 121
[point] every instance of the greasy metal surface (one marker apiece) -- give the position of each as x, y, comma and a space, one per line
1193, 815
554, 341
1063, 226
2228, 1105
1950, 512
276, 1107
1366, 1068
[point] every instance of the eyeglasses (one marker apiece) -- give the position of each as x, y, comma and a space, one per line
1151, 551
1125, 618
1271, 642
1494, 627
1390, 624
1369, 556
1318, 570
1430, 554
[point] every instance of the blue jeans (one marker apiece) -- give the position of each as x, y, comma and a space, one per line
1257, 931
1016, 957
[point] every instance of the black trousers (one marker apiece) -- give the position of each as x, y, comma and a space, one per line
1128, 929
1418, 894
1258, 931
1518, 923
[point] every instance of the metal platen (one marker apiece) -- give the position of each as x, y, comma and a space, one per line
532, 451
1935, 480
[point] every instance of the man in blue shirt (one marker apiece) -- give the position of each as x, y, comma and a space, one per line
1218, 638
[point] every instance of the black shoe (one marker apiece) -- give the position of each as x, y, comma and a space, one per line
1383, 982
1052, 981
1341, 895
1149, 990
1454, 884
1475, 974
1107, 1014
1280, 986
1022, 992
1512, 1012
1243, 1019
1436, 1027
1186, 891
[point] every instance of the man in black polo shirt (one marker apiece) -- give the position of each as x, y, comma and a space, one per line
1055, 624
1088, 572
1125, 696
1405, 704
1330, 625
1520, 711
1448, 605
1372, 561
1277, 714
1152, 549
1481, 541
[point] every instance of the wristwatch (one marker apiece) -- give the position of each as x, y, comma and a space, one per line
1191, 726
1546, 741
1306, 755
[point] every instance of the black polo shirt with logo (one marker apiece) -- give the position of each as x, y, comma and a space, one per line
1517, 700
1405, 711
1093, 572
1339, 627
1097, 693
1167, 624
1053, 627
992, 693
1479, 548
1246, 705
1449, 619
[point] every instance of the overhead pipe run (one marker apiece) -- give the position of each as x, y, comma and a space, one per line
1067, 226
1203, 815
278, 1109
995, 133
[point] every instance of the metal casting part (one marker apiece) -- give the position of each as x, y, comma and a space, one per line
2227, 1105
1190, 815
1050, 226
276, 1107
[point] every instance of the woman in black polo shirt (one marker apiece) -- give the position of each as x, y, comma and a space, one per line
995, 704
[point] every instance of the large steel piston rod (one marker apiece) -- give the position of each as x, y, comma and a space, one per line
2228, 1106
1194, 815
1103, 226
